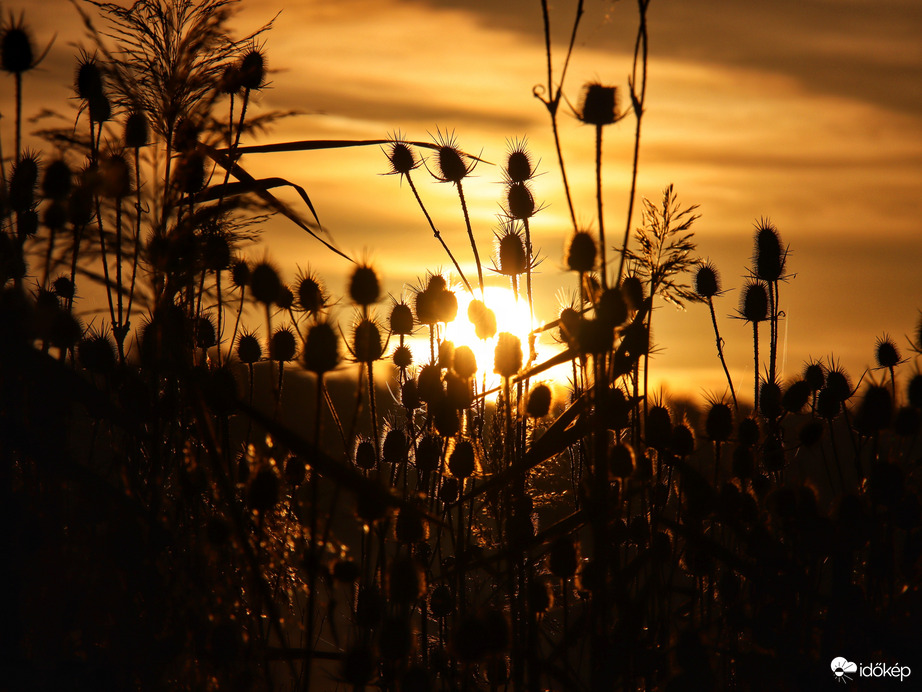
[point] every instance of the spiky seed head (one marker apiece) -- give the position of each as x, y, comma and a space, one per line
429, 384
747, 432
582, 252
719, 423
769, 255
620, 461
63, 288
875, 411
249, 350
216, 250
828, 404
401, 319
539, 401
96, 353
682, 443
599, 105
240, 273
754, 302
116, 176
100, 108
205, 332
569, 321
310, 294
886, 352
611, 308
451, 165
562, 559
658, 428
366, 342
770, 400
409, 395
707, 281
518, 165
364, 287
520, 202
283, 345
186, 135
265, 283
814, 376
365, 455
428, 453
137, 132
839, 384
403, 357
190, 172
16, 52
507, 356
632, 290
57, 180
321, 348
253, 69
465, 362
88, 78
285, 299
446, 306
512, 257
22, 183
461, 463
230, 82
401, 157
796, 396
395, 447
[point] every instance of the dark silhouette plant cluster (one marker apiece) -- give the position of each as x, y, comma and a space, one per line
176, 518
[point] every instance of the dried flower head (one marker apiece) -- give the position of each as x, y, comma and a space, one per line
769, 256
401, 156
483, 319
88, 80
886, 352
366, 342
249, 350
582, 252
311, 296
283, 345
253, 69
452, 165
507, 357
519, 168
539, 401
401, 320
754, 302
707, 280
512, 256
520, 203
599, 105
364, 287
17, 52
321, 348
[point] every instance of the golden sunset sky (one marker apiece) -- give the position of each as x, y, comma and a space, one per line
806, 112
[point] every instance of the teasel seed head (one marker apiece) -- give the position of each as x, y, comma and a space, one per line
283, 345
520, 203
599, 104
707, 280
483, 319
719, 422
17, 52
770, 400
366, 342
321, 349
253, 69
886, 352
249, 350
462, 463
57, 180
512, 257
754, 302
401, 156
22, 183
682, 443
116, 176
402, 357
100, 108
814, 376
519, 167
205, 332
465, 362
452, 167
633, 292
364, 287
137, 132
658, 427
446, 355
539, 401
507, 356
311, 296
88, 80
875, 412
230, 82
409, 395
582, 252
428, 453
401, 320
769, 256
429, 384
265, 283
796, 396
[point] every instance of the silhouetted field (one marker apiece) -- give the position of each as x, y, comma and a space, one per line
230, 479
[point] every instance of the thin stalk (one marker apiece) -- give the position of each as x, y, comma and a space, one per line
598, 198
755, 343
137, 232
436, 233
720, 353
470, 234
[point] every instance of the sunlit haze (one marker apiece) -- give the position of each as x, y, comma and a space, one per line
807, 113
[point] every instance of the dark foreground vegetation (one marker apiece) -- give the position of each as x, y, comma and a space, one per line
175, 518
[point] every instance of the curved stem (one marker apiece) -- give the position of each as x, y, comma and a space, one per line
470, 234
720, 354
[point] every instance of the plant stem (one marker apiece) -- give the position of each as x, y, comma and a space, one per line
470, 234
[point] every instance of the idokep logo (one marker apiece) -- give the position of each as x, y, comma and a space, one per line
845, 670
